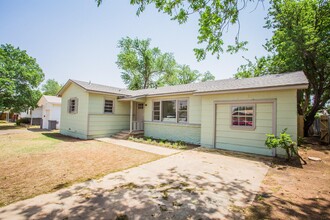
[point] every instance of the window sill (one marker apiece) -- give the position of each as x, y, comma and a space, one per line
243, 128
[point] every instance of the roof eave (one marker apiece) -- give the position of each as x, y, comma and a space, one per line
272, 88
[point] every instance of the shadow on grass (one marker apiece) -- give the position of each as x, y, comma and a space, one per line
310, 208
58, 136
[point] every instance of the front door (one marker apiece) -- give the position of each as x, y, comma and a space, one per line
139, 115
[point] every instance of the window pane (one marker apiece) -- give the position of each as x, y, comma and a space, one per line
235, 110
108, 106
235, 121
169, 111
242, 116
183, 116
182, 105
156, 116
156, 106
249, 121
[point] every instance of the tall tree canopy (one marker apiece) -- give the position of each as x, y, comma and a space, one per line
145, 67
301, 41
51, 87
20, 75
214, 17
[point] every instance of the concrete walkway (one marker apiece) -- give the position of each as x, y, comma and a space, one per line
140, 146
187, 185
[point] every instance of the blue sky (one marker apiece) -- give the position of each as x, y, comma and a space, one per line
76, 39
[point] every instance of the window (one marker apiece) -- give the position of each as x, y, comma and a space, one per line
183, 111
156, 111
108, 106
243, 116
175, 111
140, 106
169, 111
73, 105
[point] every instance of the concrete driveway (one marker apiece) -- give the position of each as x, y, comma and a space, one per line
187, 185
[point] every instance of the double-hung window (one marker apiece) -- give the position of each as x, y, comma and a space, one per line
243, 116
174, 111
108, 106
156, 111
182, 111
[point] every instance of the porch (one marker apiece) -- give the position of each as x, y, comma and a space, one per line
136, 116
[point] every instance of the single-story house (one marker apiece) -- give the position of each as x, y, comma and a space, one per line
232, 114
51, 112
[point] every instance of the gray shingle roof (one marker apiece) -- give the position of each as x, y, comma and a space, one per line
268, 81
102, 88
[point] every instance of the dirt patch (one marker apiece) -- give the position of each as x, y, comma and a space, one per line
39, 162
295, 191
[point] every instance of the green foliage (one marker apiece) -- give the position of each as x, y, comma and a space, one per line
23, 121
51, 87
145, 67
20, 75
160, 142
215, 16
301, 41
285, 142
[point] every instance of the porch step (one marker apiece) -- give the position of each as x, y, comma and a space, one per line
124, 135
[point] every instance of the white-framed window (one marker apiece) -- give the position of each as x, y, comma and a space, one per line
243, 116
169, 111
182, 111
173, 111
108, 106
73, 105
156, 111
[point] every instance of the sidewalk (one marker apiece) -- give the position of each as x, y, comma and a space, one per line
139, 146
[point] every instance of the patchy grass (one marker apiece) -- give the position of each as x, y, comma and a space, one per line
33, 163
163, 143
295, 191
8, 125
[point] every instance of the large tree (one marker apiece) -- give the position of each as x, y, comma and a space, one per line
301, 41
214, 17
145, 67
20, 75
51, 87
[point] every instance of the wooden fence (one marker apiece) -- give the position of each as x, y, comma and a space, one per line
325, 129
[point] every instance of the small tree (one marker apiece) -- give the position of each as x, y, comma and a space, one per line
283, 141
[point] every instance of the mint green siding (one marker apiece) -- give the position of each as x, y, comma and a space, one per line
174, 132
189, 132
285, 113
238, 139
74, 125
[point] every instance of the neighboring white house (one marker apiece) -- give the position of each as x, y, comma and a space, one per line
35, 115
51, 111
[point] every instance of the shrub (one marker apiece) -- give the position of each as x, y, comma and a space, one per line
23, 121
283, 141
